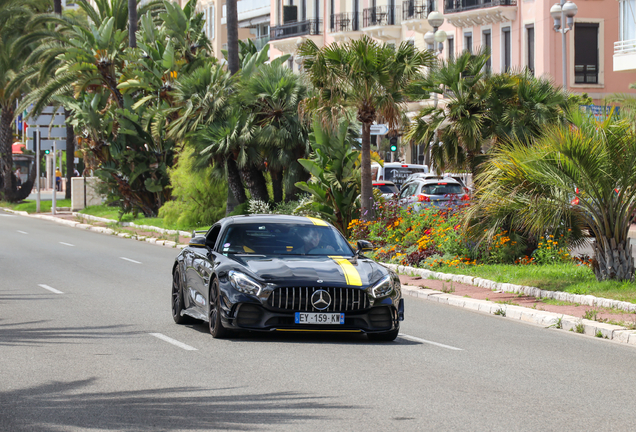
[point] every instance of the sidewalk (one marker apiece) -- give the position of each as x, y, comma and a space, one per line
568, 312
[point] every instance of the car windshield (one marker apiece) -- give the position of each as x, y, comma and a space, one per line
284, 239
442, 188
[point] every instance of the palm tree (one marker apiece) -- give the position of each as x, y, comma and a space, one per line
15, 18
273, 94
461, 123
368, 76
533, 189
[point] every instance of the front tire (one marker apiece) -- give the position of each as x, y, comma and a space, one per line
177, 299
214, 313
384, 337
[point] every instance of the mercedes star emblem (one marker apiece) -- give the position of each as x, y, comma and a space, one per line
320, 299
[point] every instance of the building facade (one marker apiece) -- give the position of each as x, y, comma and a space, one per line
625, 45
518, 33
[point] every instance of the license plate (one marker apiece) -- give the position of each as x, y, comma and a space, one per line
319, 318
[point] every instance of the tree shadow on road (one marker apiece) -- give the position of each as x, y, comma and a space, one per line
69, 406
31, 333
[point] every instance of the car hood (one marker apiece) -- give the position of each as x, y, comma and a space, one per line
308, 271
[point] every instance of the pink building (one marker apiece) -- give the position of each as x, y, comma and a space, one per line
519, 34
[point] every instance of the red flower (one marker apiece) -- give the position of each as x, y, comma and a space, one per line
456, 227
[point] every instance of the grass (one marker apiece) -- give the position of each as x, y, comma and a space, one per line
30, 206
572, 278
109, 212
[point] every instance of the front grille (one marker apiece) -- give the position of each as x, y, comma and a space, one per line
299, 299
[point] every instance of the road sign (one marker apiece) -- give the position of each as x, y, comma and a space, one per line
51, 125
379, 129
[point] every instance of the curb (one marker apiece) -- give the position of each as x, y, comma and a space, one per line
587, 300
543, 318
107, 231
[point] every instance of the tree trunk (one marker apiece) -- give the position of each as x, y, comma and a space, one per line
6, 155
132, 23
236, 192
366, 186
232, 36
614, 260
294, 173
70, 154
255, 182
277, 185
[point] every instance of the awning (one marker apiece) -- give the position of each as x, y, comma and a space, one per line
17, 148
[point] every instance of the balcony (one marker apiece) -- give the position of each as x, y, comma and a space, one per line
288, 36
468, 13
414, 16
625, 56
346, 26
383, 22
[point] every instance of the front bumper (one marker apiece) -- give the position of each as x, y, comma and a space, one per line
252, 316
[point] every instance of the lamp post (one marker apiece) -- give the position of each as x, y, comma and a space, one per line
561, 11
435, 20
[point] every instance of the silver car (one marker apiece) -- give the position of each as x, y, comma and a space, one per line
444, 192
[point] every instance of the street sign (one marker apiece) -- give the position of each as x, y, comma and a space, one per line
51, 126
379, 129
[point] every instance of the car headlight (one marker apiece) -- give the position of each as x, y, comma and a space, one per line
383, 288
244, 283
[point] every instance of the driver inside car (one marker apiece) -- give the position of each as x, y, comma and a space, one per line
311, 238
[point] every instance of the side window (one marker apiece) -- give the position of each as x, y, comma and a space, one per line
212, 236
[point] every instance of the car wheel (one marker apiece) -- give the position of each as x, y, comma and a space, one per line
214, 313
177, 299
384, 337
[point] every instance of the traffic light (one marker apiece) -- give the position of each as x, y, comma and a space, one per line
46, 151
393, 142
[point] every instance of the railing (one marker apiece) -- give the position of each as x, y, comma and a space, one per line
452, 6
625, 47
308, 27
260, 42
345, 22
381, 16
412, 10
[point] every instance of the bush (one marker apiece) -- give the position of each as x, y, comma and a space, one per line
198, 200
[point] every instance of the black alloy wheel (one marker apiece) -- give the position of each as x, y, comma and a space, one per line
214, 315
177, 299
384, 337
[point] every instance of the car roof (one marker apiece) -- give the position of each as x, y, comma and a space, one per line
273, 218
430, 181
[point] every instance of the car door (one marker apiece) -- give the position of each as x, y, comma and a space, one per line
408, 195
201, 271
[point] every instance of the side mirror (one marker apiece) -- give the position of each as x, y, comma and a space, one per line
197, 242
364, 246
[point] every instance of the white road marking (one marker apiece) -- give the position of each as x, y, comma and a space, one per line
22, 232
6, 215
173, 341
53, 290
131, 260
67, 244
415, 339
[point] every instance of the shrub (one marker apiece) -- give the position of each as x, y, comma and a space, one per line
198, 200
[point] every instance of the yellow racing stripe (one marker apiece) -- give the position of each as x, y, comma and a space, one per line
317, 221
351, 273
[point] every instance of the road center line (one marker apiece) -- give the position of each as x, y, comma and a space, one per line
415, 339
22, 232
131, 260
67, 244
53, 290
173, 341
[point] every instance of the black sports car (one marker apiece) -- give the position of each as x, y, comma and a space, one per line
284, 273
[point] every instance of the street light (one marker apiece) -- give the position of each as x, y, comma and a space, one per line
561, 11
435, 19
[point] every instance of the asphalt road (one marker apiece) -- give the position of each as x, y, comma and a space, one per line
102, 353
